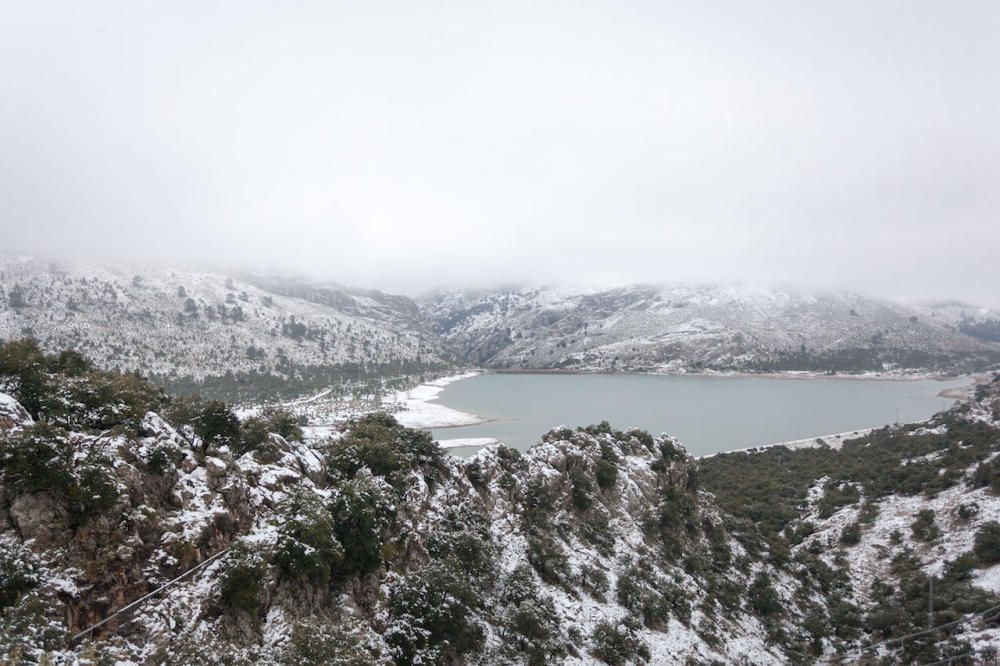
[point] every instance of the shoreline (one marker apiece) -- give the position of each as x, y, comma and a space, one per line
791, 374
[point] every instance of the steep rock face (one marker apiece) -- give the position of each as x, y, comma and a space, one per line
649, 328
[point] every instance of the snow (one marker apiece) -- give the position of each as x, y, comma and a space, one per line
416, 408
459, 442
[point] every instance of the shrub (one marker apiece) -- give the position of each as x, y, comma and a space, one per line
41, 458
925, 528
549, 559
618, 643
18, 573
606, 473
307, 547
987, 543
360, 514
432, 618
851, 534
329, 643
529, 621
241, 583
763, 599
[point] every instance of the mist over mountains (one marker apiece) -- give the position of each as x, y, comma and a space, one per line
211, 330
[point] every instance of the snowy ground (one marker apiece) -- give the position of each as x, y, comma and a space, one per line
416, 408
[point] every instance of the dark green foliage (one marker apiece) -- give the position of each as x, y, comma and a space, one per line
18, 573
595, 529
389, 450
582, 488
529, 625
216, 425
360, 513
901, 608
65, 390
306, 546
768, 486
762, 598
924, 527
674, 521
547, 555
651, 596
836, 496
41, 458
619, 643
593, 581
987, 544
326, 644
255, 430
606, 473
241, 583
851, 534
464, 537
432, 618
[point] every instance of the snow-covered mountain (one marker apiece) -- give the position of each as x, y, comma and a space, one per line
184, 325
249, 337
684, 328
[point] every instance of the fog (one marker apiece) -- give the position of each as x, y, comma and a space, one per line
411, 145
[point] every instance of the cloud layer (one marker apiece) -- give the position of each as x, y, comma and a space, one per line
409, 145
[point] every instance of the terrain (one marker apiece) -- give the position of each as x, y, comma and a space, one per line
238, 337
709, 328
248, 338
369, 545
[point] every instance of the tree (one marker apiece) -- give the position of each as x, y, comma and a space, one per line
181, 292
216, 425
987, 545
15, 299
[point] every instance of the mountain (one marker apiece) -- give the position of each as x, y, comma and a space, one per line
697, 328
251, 337
223, 334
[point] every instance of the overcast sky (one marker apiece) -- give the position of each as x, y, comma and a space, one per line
409, 145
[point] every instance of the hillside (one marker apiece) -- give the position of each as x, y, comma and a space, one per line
372, 546
688, 328
368, 547
224, 335
906, 519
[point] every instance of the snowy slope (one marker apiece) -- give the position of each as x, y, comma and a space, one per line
677, 328
197, 324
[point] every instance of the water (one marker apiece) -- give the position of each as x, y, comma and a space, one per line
708, 414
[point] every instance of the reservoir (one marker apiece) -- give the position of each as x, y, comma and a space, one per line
708, 413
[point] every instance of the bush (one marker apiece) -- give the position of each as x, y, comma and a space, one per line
606, 473
925, 528
549, 559
432, 618
18, 573
763, 599
529, 620
307, 547
618, 643
41, 458
987, 543
389, 450
851, 534
360, 513
329, 643
241, 583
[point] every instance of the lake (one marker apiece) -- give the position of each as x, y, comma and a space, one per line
708, 413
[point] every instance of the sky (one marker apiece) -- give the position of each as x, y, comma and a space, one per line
410, 145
